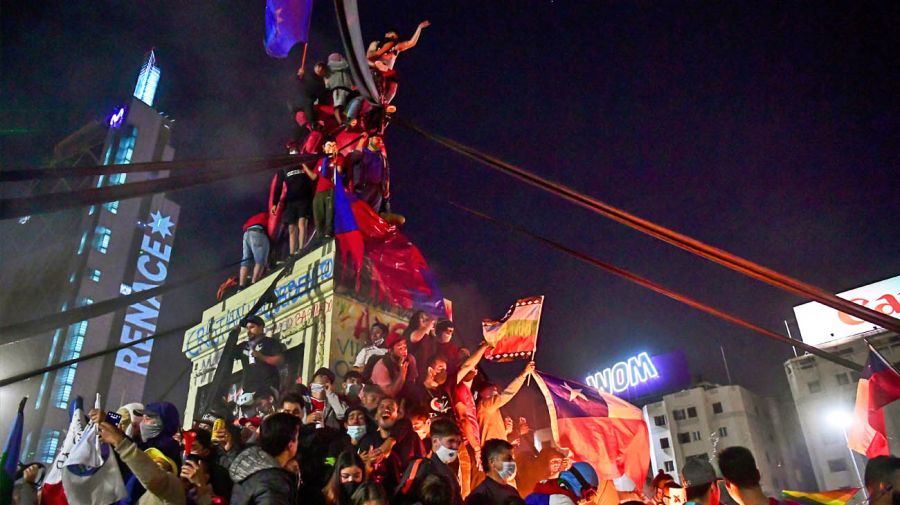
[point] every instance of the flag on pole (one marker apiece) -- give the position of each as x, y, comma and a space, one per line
515, 335
9, 461
52, 492
287, 24
87, 484
878, 386
599, 428
833, 497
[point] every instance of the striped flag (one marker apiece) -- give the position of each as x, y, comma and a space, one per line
52, 492
878, 386
515, 335
833, 497
9, 462
599, 428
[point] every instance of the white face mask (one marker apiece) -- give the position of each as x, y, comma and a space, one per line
508, 472
315, 388
356, 432
446, 455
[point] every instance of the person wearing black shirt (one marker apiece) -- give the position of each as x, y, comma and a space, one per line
260, 360
388, 449
431, 394
297, 204
312, 92
497, 461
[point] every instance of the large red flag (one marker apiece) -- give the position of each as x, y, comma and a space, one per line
605, 431
878, 386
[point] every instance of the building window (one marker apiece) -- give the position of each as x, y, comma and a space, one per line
101, 239
717, 408
684, 438
112, 207
678, 414
117, 179
126, 147
94, 275
83, 242
664, 443
49, 444
723, 431
815, 387
83, 300
837, 465
65, 378
692, 412
659, 420
695, 436
842, 379
670, 466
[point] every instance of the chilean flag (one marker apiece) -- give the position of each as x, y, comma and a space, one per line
878, 386
599, 428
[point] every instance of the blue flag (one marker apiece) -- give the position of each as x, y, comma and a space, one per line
287, 23
9, 461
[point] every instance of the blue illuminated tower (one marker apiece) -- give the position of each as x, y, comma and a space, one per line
112, 248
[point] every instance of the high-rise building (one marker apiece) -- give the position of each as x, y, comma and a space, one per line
702, 421
110, 249
825, 392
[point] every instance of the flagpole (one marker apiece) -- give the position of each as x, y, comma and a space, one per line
303, 59
537, 332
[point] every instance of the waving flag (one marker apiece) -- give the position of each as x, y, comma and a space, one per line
599, 428
287, 24
515, 335
91, 474
834, 497
52, 492
10, 460
346, 230
878, 386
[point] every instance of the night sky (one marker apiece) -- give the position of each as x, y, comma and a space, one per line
768, 129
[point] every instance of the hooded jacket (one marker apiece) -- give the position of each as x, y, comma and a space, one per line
338, 74
260, 480
168, 413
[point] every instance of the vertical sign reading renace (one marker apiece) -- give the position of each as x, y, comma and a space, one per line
151, 270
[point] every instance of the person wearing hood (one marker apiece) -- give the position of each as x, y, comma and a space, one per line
259, 472
339, 82
578, 484
158, 425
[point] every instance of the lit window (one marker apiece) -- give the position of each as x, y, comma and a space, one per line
126, 148
112, 207
72, 278
723, 431
692, 412
65, 378
116, 179
717, 408
49, 444
94, 275
83, 300
101, 239
815, 387
83, 242
92, 209
100, 181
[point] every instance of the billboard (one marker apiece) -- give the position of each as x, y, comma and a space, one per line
643, 375
821, 325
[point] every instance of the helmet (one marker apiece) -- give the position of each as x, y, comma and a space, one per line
581, 479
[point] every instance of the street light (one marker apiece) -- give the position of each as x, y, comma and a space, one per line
843, 419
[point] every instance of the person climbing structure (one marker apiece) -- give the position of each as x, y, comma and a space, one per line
383, 56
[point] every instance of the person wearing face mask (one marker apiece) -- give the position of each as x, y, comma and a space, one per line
158, 425
490, 400
439, 341
325, 407
377, 333
446, 439
420, 418
431, 393
356, 424
352, 387
259, 472
497, 461
349, 473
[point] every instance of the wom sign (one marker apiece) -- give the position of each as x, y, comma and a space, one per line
624, 374
643, 375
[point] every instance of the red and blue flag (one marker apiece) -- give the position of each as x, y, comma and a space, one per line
287, 24
600, 429
878, 386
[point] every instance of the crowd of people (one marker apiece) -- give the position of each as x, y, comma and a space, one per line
408, 424
328, 105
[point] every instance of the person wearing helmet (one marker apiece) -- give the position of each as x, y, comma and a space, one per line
576, 485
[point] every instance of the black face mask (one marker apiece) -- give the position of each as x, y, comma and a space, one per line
349, 488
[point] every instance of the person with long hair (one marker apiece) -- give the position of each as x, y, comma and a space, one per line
370, 493
349, 473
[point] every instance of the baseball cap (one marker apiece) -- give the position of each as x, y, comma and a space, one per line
697, 472
252, 319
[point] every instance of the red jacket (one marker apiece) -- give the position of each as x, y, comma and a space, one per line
261, 219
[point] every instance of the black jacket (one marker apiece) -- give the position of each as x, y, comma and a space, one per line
259, 480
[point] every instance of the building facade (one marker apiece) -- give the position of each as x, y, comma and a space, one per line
113, 248
702, 421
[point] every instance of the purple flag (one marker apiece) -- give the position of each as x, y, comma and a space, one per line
287, 23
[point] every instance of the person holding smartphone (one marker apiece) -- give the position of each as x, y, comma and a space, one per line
397, 368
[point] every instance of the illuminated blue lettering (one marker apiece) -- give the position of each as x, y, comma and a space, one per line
626, 374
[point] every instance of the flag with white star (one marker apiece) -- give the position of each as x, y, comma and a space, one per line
599, 428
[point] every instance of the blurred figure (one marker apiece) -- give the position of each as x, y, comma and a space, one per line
370, 493
576, 485
383, 56
700, 482
658, 488
882, 480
